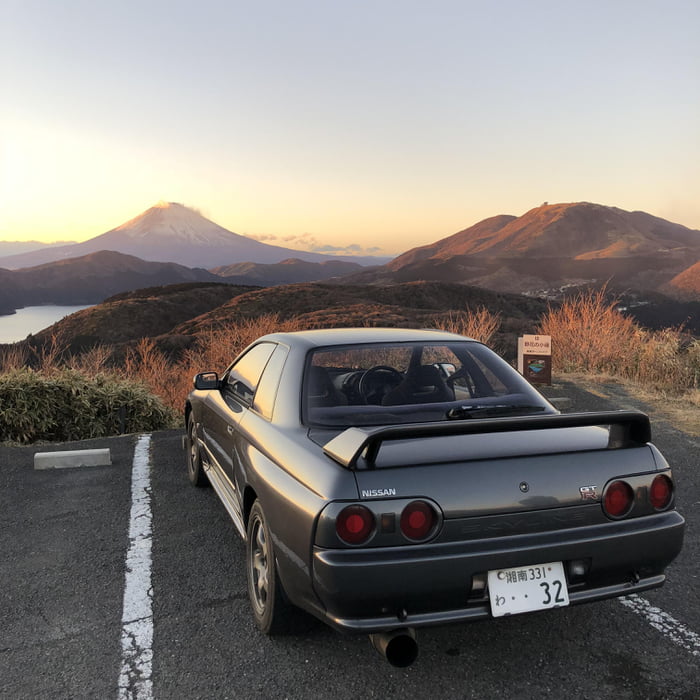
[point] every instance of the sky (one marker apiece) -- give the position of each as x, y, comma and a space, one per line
370, 125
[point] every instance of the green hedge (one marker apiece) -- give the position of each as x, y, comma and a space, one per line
67, 405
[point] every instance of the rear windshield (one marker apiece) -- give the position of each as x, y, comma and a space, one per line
381, 384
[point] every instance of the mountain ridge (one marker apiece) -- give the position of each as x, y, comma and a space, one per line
686, 284
552, 248
172, 232
550, 251
289, 271
89, 279
176, 315
579, 230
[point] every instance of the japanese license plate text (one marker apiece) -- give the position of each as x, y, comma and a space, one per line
527, 588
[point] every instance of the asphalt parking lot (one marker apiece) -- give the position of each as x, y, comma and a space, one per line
69, 552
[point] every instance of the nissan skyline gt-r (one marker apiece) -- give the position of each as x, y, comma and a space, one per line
387, 479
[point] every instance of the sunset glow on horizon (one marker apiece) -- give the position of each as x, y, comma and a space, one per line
371, 126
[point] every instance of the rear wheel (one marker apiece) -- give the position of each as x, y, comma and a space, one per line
270, 609
195, 470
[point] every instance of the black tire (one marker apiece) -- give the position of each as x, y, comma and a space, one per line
271, 610
195, 470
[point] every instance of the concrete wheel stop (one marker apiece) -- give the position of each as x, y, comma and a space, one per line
67, 459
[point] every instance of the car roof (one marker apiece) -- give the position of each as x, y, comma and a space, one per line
354, 336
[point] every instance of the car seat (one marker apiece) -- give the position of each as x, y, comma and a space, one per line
320, 389
422, 385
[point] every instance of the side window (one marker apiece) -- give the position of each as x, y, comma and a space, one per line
267, 386
244, 376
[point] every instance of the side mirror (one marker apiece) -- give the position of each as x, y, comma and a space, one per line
206, 380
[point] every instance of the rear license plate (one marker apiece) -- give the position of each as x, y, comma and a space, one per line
527, 588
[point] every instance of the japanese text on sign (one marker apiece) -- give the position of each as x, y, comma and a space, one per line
537, 344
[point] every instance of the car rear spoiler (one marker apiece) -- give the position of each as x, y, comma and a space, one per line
626, 429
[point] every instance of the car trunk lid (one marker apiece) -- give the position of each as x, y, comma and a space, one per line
498, 466
491, 486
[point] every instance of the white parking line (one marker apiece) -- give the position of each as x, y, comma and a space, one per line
671, 628
135, 681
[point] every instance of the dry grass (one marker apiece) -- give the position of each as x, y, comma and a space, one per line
214, 350
590, 335
91, 362
681, 411
12, 357
481, 324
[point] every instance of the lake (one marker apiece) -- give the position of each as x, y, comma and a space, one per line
32, 319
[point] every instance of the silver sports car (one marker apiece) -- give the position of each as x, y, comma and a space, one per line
385, 480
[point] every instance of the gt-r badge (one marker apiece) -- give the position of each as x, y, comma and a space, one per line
589, 493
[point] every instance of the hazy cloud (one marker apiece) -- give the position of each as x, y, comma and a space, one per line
308, 241
262, 237
350, 249
328, 249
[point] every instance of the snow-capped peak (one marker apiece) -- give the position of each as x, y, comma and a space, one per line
173, 222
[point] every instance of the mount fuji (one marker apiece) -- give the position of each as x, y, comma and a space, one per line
171, 232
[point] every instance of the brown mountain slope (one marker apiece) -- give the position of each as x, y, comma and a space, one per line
172, 312
174, 316
686, 285
551, 251
91, 278
288, 271
453, 245
141, 314
579, 230
412, 304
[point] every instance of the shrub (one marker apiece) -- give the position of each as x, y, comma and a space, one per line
12, 357
214, 350
481, 324
66, 405
660, 361
590, 335
693, 358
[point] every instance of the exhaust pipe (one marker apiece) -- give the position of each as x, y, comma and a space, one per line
398, 647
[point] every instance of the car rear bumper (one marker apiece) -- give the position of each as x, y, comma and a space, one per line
369, 590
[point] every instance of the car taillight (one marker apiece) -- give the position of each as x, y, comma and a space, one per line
618, 499
355, 524
418, 520
661, 492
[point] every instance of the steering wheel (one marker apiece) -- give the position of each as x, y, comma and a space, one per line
377, 381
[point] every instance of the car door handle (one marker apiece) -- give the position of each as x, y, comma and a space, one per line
229, 429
